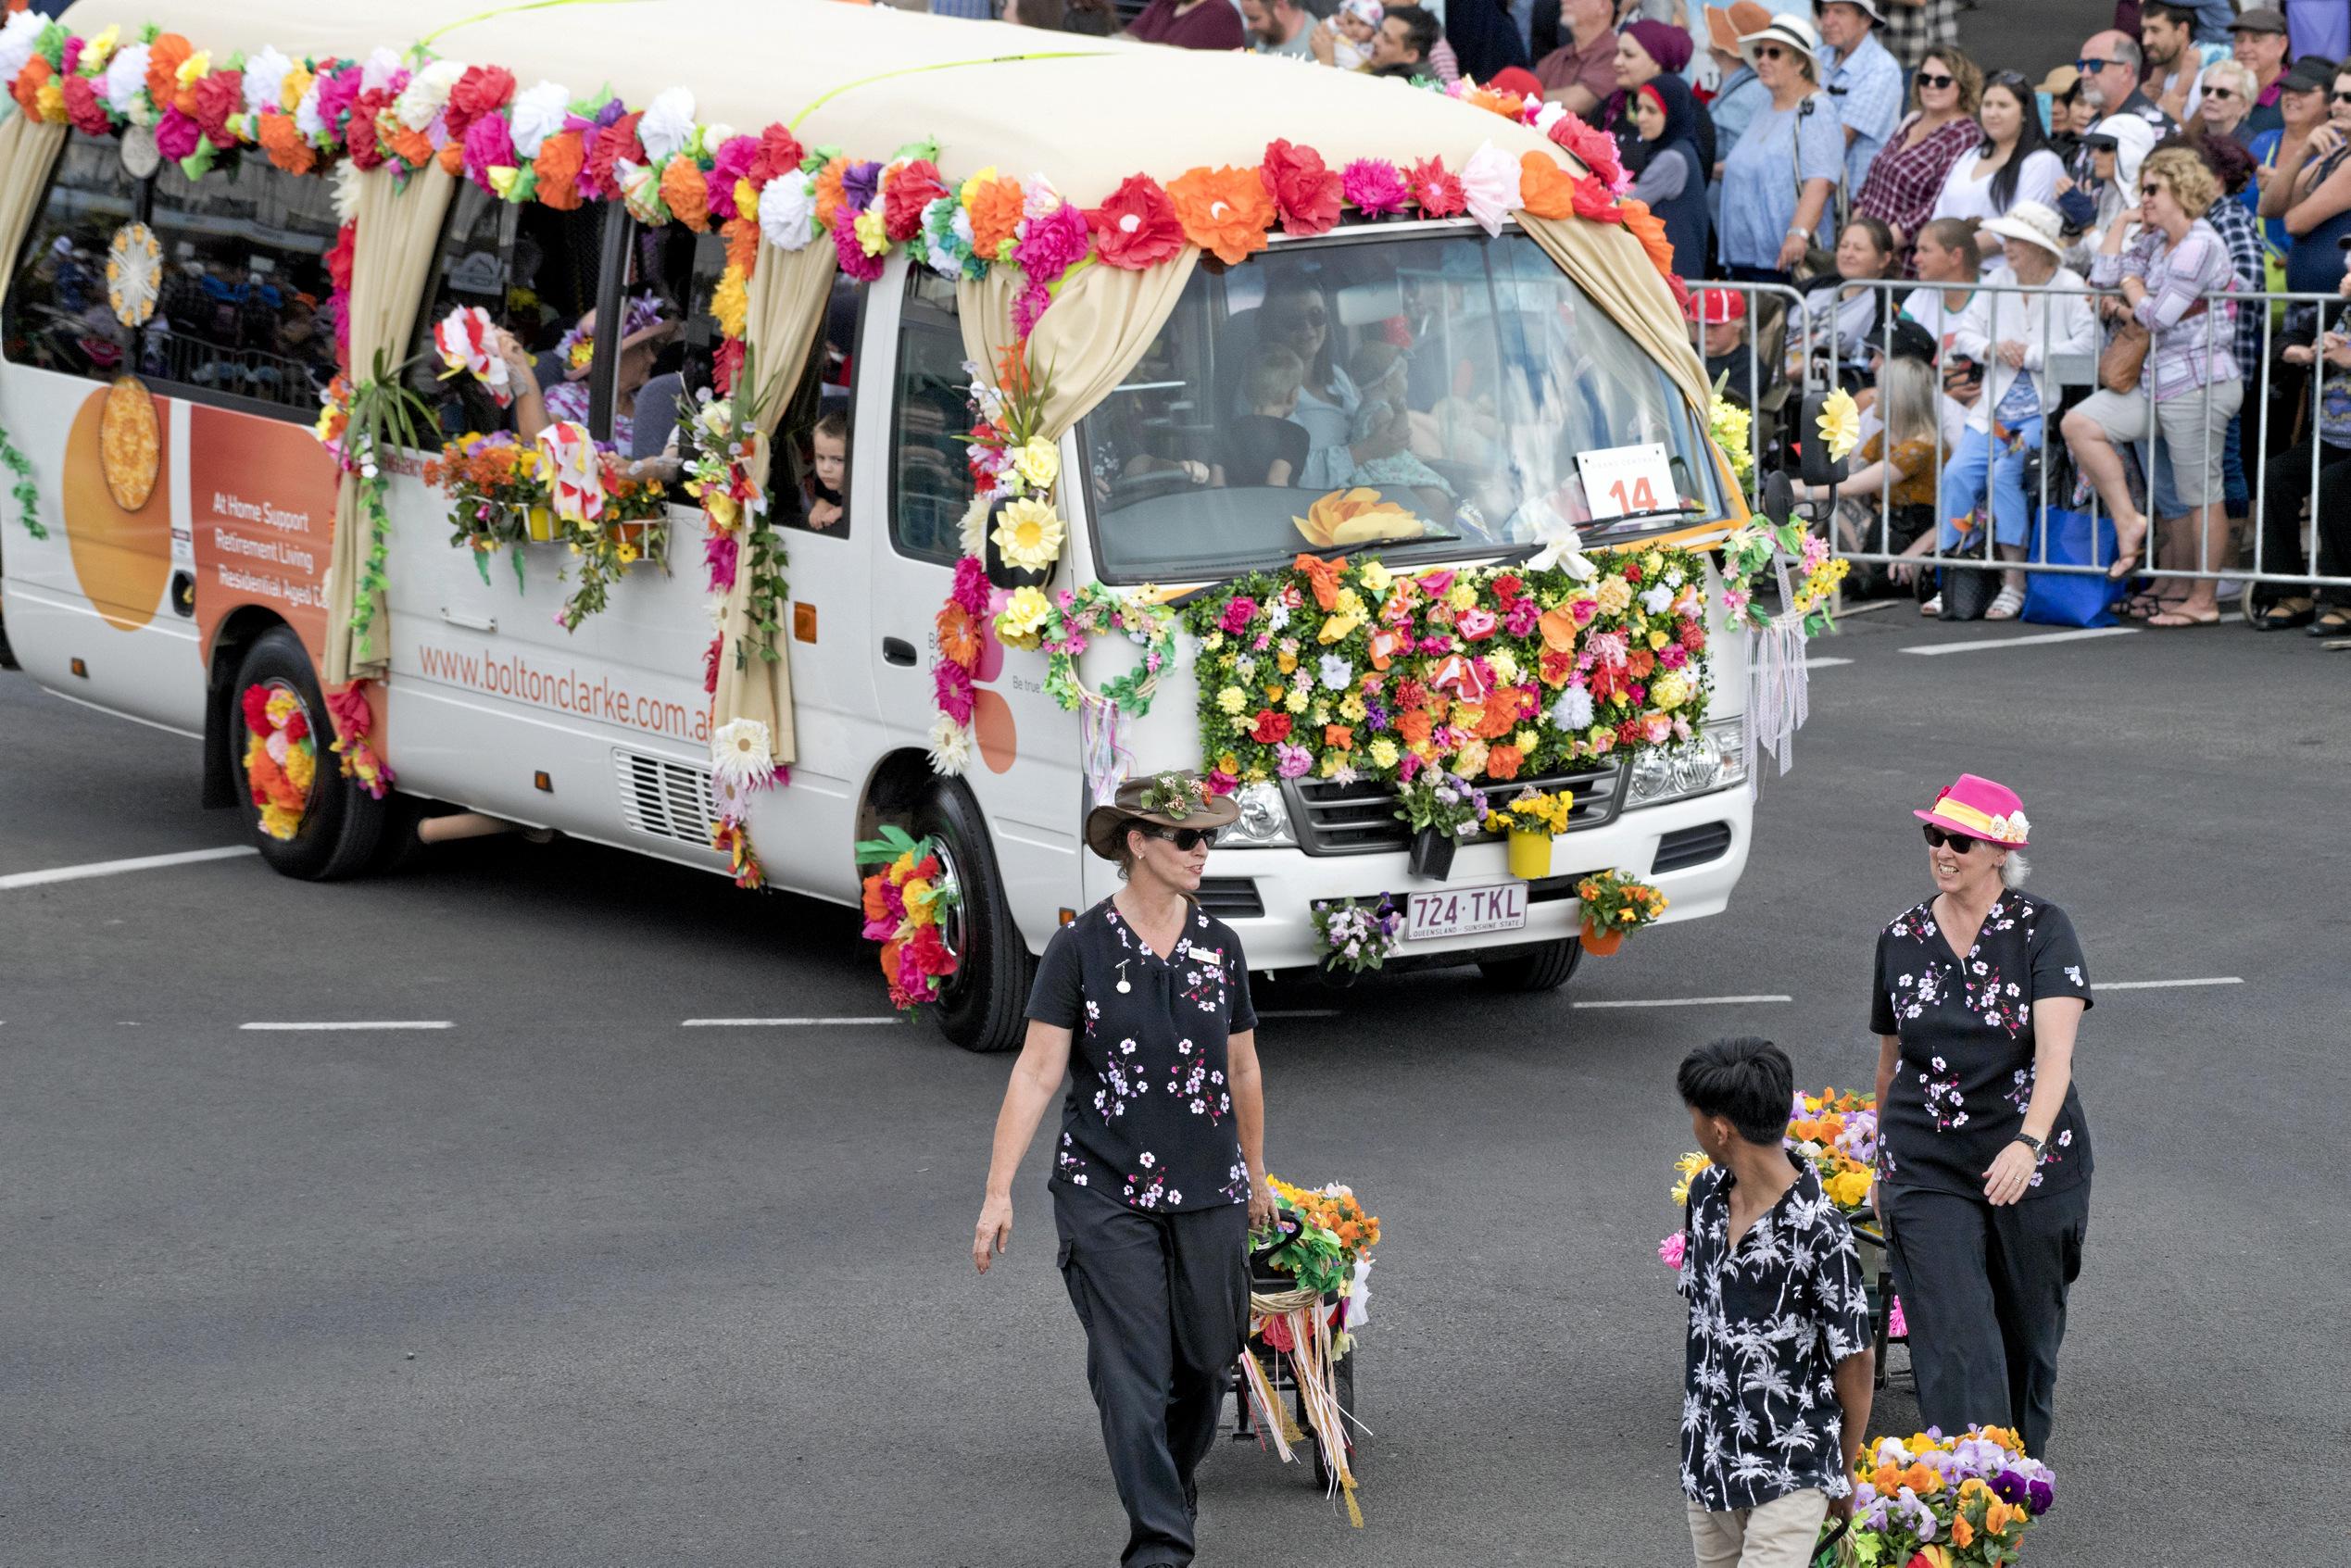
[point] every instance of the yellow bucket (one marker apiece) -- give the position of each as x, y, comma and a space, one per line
539, 524
1529, 854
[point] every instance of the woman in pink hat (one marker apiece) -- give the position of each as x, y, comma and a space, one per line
1983, 1155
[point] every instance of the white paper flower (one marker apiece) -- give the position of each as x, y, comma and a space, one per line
668, 125
950, 748
1548, 115
265, 81
306, 114
1489, 183
972, 534
427, 93
787, 210
716, 136
2017, 825
346, 191
539, 111
740, 754
1038, 198
1573, 710
17, 40
382, 66
126, 74
1655, 601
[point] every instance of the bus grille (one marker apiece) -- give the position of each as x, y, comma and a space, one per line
1360, 819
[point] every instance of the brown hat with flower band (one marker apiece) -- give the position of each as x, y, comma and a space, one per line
1166, 800
1979, 808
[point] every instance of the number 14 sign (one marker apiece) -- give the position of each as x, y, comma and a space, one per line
1627, 481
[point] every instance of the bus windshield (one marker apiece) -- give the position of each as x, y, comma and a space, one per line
1426, 395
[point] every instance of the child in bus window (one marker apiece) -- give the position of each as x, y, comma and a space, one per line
1266, 446
826, 494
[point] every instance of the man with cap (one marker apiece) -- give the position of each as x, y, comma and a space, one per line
1158, 1173
2303, 105
1864, 80
1720, 316
2259, 44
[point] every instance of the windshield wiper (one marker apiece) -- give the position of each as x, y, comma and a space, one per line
1320, 552
1532, 547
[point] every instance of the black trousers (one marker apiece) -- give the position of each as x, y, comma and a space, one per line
1164, 1298
1984, 1292
2283, 531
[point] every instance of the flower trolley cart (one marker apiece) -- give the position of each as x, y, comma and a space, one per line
1307, 1294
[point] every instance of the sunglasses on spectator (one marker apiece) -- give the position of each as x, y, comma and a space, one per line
1958, 843
2085, 67
1186, 839
1770, 52
2341, 97
1930, 79
2220, 92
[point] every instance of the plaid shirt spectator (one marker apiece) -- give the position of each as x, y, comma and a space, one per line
1905, 181
1912, 32
2183, 358
1866, 90
2241, 232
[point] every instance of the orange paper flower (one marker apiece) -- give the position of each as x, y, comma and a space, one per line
1339, 737
29, 83
558, 167
742, 245
957, 638
830, 197
688, 193
1650, 229
1324, 575
995, 214
282, 139
1558, 627
1225, 211
1545, 189
1415, 725
165, 56
1502, 761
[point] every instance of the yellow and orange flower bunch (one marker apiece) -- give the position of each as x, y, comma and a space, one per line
1612, 901
1836, 1133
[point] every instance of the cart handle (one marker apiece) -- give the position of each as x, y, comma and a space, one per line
1285, 1229
1823, 1552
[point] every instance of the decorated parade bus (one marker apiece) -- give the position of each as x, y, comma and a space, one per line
832, 446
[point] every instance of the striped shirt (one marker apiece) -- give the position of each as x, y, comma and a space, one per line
2188, 351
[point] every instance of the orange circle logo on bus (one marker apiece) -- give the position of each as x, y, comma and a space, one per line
118, 526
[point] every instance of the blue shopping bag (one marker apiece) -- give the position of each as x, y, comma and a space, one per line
2054, 598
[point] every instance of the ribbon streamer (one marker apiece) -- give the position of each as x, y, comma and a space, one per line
1778, 686
1101, 747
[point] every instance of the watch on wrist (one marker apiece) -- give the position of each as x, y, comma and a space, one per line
2036, 1145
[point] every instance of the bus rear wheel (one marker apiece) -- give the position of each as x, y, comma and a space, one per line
321, 829
983, 1006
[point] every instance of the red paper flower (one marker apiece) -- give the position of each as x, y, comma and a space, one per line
339, 257
614, 142
481, 90
1137, 227
780, 153
907, 193
1304, 191
1436, 191
217, 95
1595, 203
1271, 727
359, 137
84, 110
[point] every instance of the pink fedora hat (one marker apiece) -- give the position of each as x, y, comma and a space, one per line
1981, 809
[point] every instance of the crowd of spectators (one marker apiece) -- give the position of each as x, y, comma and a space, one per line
1919, 200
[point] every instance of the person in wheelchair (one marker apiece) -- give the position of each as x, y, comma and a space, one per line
1903, 453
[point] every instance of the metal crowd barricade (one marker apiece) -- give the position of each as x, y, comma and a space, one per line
1822, 356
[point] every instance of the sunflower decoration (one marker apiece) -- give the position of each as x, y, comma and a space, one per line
1840, 425
1029, 534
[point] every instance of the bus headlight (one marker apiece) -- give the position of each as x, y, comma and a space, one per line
1264, 821
1711, 759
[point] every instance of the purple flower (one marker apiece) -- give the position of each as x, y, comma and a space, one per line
2039, 1495
861, 183
2009, 1488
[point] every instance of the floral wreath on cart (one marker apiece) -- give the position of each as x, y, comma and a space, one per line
392, 114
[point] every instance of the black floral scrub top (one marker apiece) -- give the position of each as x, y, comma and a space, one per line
1150, 1115
1965, 1073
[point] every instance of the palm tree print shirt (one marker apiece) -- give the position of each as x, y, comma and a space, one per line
1770, 1319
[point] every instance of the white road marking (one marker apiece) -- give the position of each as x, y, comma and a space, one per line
117, 868
1298, 1012
1824, 663
353, 1023
777, 1022
1682, 1001
2171, 984
1933, 648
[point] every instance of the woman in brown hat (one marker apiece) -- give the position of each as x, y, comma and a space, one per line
1159, 1174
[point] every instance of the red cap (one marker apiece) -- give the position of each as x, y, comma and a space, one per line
1712, 307
1518, 80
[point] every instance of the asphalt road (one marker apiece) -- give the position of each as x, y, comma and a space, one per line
568, 1283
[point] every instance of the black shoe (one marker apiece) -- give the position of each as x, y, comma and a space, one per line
2335, 622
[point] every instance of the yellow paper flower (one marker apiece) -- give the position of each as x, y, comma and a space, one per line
1669, 690
746, 201
1383, 752
98, 51
1349, 605
1840, 425
49, 104
1614, 595
1298, 699
1340, 627
1232, 699
1462, 596
872, 233
1351, 707
731, 302
1039, 462
1356, 516
1505, 666
1377, 578
298, 81
1029, 533
1526, 740
1023, 618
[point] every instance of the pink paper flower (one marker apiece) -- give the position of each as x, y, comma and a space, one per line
1373, 187
1670, 1250
953, 684
1051, 245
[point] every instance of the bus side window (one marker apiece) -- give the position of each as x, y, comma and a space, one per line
809, 472
56, 317
930, 483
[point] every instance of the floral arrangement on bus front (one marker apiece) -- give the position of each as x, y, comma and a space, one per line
902, 899
1937, 1501
1612, 903
1356, 934
1355, 670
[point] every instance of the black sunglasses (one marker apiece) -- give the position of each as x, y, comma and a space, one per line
2340, 97
1929, 79
1770, 52
2086, 66
1185, 839
1958, 843
2220, 92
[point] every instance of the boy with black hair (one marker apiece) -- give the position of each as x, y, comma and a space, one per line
1781, 1356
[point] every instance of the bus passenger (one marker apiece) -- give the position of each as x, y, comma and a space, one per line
825, 493
1266, 446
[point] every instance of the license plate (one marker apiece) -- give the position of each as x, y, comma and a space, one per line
1467, 910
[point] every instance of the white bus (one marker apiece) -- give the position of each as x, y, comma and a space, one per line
182, 552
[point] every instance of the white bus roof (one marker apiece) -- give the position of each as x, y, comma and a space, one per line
1085, 112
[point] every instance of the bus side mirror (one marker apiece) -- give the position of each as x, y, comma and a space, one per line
1778, 502
1817, 466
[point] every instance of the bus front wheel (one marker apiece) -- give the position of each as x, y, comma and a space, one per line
984, 1005
1545, 968
308, 820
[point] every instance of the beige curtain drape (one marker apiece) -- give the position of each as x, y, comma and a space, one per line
1096, 330
789, 289
1607, 263
27, 150
399, 223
